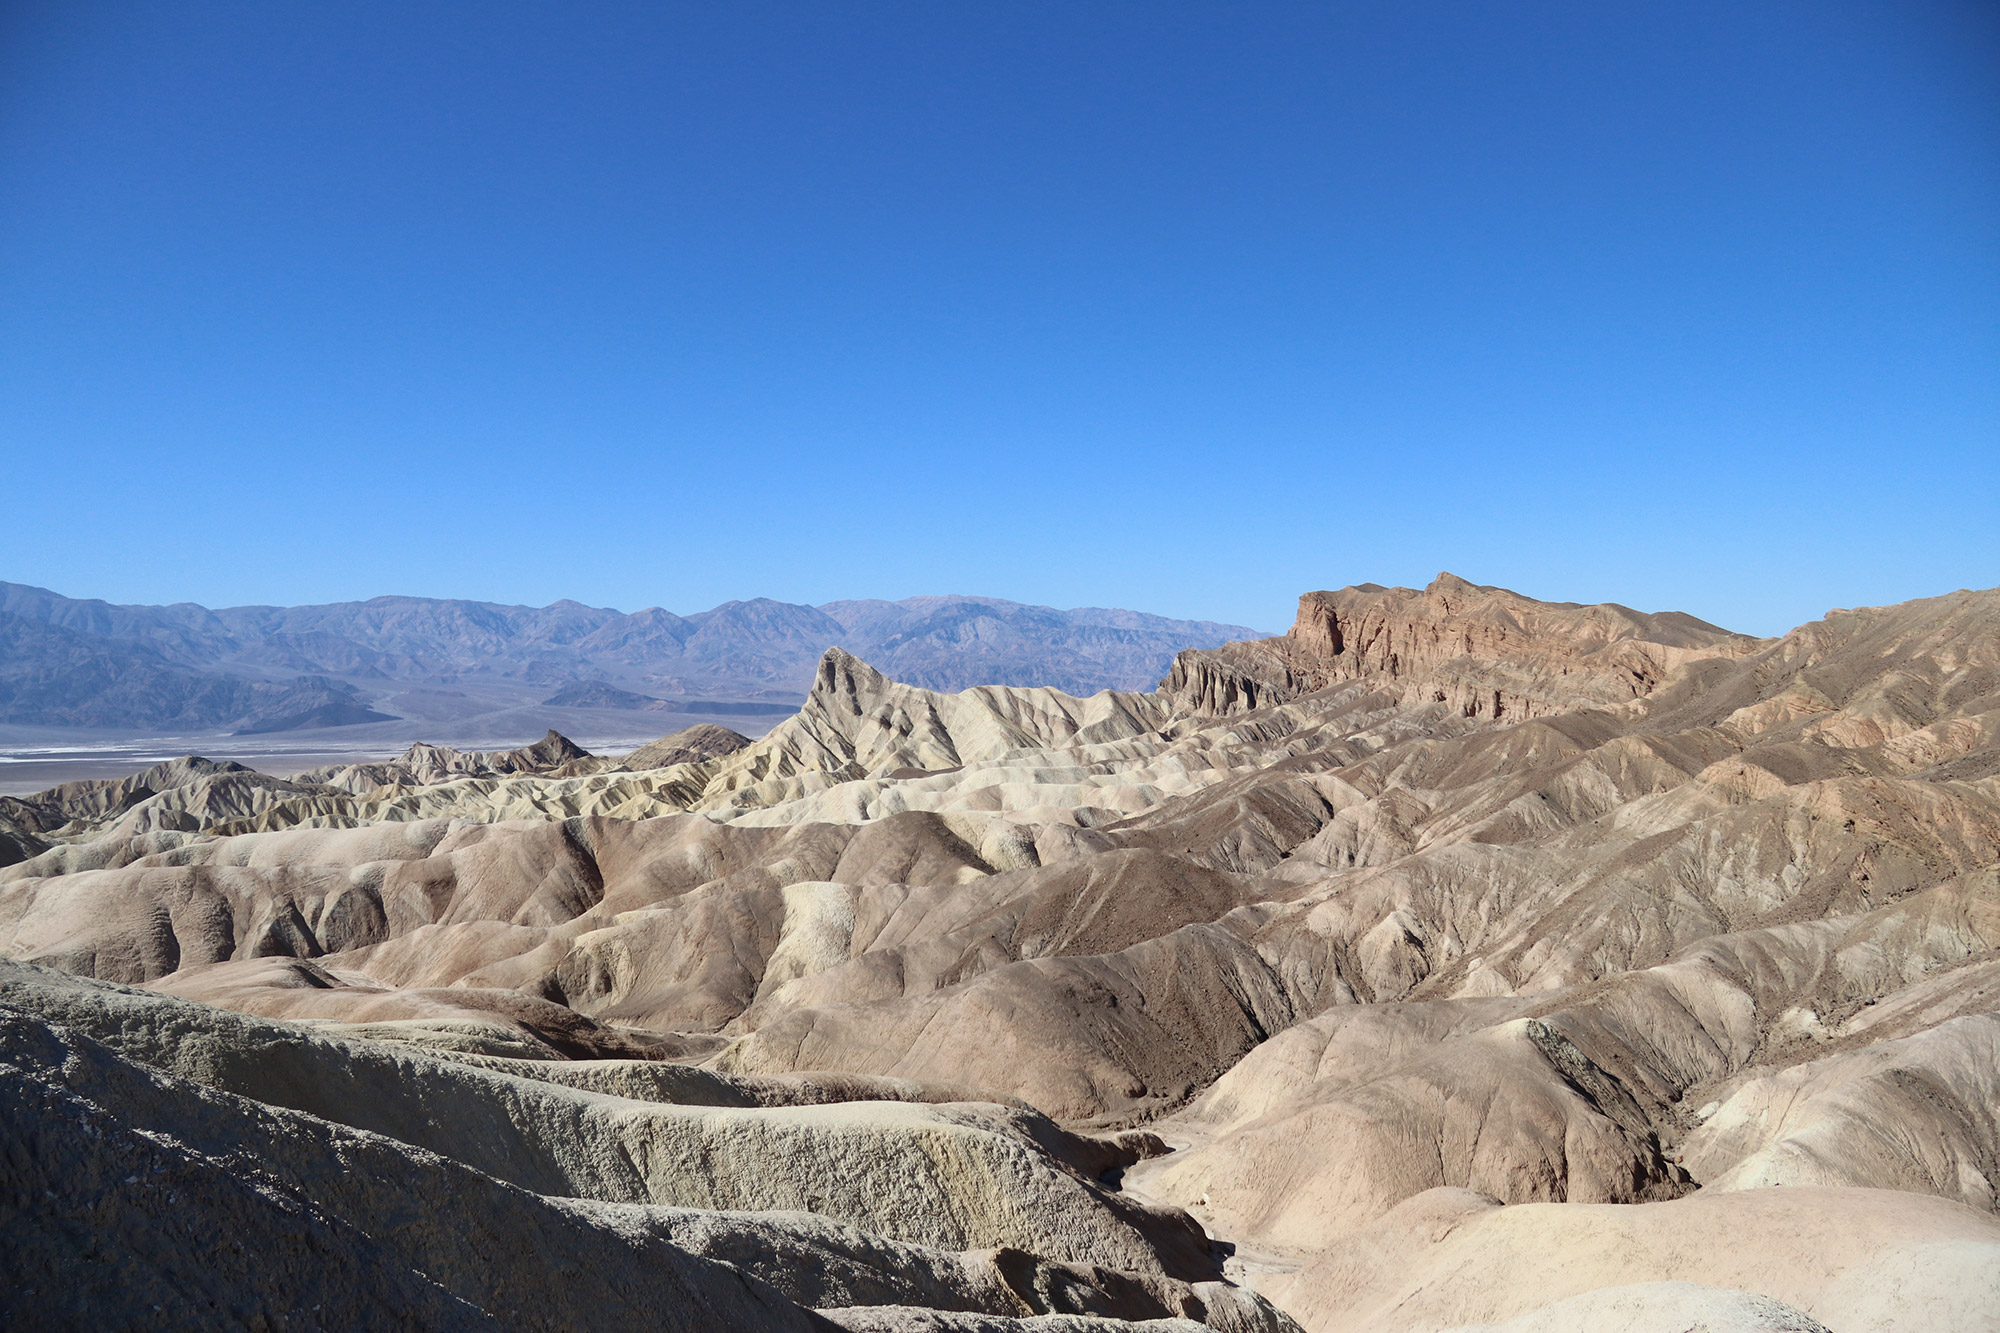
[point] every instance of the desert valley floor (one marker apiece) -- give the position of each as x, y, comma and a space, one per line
1454, 961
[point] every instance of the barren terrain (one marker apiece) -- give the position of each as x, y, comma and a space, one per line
1454, 961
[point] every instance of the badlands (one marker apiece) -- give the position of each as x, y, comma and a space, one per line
1454, 961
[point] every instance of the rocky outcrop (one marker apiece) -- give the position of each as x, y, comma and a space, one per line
1482, 652
1236, 678
366, 1154
958, 1177
135, 1198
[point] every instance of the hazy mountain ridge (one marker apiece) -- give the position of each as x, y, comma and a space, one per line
84, 662
947, 643
54, 675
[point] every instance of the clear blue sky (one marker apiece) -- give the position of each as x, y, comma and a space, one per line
1188, 308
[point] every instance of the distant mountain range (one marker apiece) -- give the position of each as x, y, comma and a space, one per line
68, 662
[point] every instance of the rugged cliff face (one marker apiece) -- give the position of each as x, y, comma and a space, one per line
1484, 652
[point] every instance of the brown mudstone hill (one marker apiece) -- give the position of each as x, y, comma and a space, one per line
1487, 652
1456, 960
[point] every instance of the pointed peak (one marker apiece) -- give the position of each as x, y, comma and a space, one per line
845, 677
837, 662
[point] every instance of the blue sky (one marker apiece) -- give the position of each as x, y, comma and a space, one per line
1189, 308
